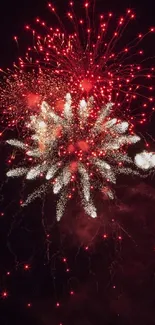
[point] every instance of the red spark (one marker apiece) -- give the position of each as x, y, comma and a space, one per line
4, 294
64, 260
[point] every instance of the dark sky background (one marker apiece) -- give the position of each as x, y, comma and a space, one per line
113, 278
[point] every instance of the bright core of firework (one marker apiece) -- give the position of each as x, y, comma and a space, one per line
79, 149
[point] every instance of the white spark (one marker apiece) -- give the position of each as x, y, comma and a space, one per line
67, 107
17, 143
85, 182
17, 172
36, 171
52, 171
104, 113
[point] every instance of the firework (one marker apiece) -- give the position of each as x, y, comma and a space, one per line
76, 138
70, 149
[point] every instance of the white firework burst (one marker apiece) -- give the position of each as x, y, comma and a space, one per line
79, 149
145, 160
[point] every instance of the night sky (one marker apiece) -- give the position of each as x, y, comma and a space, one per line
81, 271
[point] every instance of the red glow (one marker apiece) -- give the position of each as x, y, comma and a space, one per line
59, 105
64, 260
33, 100
83, 145
57, 131
73, 166
86, 5
86, 85
71, 148
26, 267
41, 146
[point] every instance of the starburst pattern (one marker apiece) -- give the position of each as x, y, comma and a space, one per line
76, 139
78, 149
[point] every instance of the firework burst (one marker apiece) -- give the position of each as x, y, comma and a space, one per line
72, 149
67, 82
86, 62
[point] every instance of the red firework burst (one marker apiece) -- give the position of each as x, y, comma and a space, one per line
83, 61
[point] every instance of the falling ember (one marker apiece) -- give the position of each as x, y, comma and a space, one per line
4, 294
